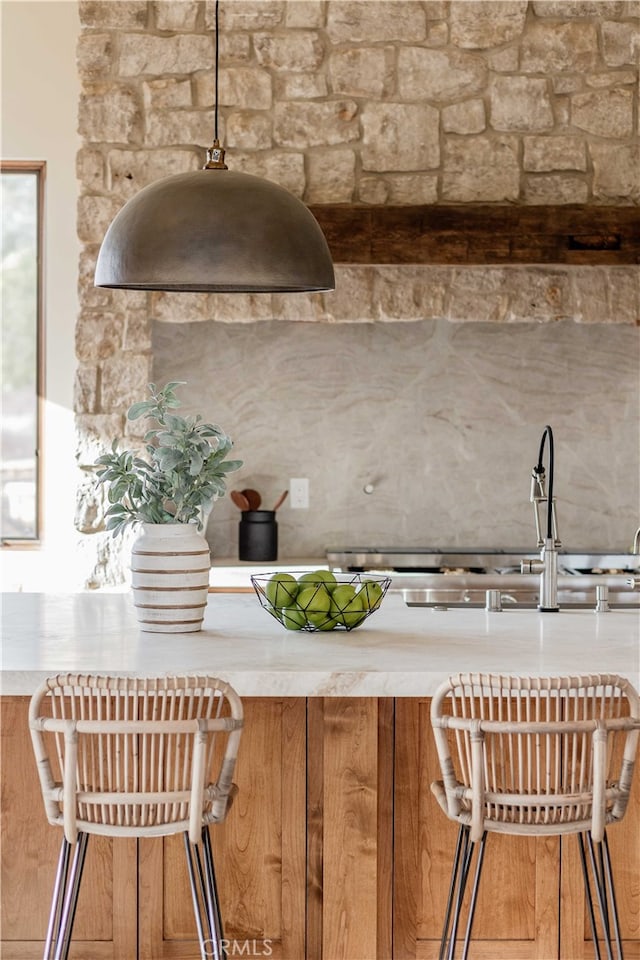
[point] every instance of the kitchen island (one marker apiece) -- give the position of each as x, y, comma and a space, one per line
398, 651
335, 848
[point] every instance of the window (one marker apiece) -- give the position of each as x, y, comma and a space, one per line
22, 194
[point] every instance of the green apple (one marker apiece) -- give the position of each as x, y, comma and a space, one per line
325, 577
343, 594
371, 593
281, 590
315, 602
293, 618
347, 606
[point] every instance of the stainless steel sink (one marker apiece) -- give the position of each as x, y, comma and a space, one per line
462, 576
578, 591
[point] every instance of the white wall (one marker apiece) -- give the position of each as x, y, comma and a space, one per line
40, 91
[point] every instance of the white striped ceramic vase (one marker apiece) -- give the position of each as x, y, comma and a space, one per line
170, 577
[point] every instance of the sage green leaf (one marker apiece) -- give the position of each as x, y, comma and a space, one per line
137, 410
196, 464
180, 473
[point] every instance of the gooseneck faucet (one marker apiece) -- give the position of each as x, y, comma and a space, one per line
547, 565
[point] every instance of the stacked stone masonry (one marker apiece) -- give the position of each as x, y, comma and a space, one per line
398, 102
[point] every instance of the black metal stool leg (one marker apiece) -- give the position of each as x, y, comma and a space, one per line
459, 877
72, 891
467, 854
196, 895
474, 895
612, 895
452, 887
206, 912
57, 899
605, 894
588, 894
213, 899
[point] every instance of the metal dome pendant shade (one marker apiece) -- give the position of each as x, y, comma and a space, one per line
215, 230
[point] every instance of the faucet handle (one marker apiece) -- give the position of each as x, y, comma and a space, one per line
536, 500
602, 599
493, 601
554, 521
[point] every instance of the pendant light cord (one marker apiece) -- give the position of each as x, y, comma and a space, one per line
215, 121
215, 154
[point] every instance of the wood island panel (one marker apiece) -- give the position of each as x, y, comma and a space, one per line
531, 903
335, 849
350, 840
105, 926
624, 846
517, 909
259, 850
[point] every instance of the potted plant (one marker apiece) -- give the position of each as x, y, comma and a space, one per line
168, 493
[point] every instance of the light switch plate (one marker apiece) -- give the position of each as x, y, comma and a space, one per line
299, 493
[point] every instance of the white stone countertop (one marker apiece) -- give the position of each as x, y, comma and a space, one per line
398, 651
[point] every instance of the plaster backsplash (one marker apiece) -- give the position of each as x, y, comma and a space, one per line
443, 419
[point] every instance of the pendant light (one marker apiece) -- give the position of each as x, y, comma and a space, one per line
215, 230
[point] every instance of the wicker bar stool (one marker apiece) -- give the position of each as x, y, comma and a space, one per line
127, 757
522, 755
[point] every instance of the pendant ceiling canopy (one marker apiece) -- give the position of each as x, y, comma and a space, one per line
215, 230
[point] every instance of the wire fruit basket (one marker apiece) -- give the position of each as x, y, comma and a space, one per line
320, 600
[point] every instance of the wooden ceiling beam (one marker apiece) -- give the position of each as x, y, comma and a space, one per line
481, 234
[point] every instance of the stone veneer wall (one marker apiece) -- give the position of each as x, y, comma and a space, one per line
371, 102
